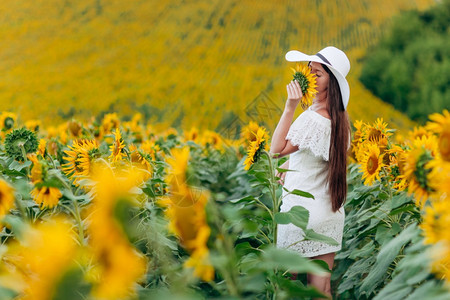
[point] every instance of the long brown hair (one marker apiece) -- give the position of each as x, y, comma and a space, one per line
340, 139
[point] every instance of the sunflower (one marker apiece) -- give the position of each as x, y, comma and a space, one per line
418, 132
119, 264
212, 139
40, 259
42, 147
109, 122
46, 197
140, 159
439, 178
79, 159
378, 133
7, 120
248, 132
397, 160
150, 148
255, 148
37, 171
187, 220
199, 260
417, 168
178, 177
440, 255
6, 198
117, 148
33, 125
192, 135
307, 81
75, 128
441, 126
435, 222
371, 164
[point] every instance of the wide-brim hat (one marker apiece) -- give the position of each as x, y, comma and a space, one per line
335, 59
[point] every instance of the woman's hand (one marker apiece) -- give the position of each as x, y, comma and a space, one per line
294, 94
282, 175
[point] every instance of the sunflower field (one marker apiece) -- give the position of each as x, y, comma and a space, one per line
111, 209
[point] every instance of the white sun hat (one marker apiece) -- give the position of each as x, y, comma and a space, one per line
335, 59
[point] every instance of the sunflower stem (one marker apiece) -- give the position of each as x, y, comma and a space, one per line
273, 196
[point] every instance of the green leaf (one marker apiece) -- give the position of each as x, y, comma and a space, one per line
299, 193
281, 170
386, 256
71, 286
245, 199
399, 200
297, 215
311, 235
297, 290
364, 252
283, 259
430, 290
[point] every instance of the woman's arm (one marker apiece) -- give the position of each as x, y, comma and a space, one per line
282, 175
279, 144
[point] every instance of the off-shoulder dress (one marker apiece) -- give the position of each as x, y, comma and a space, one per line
311, 133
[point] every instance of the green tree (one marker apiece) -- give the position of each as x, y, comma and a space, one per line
410, 65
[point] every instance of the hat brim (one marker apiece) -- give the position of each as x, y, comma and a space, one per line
296, 56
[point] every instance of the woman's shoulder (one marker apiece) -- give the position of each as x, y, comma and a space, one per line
312, 117
322, 116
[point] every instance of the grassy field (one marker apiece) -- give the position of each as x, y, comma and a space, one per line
181, 63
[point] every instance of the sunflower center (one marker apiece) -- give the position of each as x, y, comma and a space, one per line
372, 164
444, 145
374, 135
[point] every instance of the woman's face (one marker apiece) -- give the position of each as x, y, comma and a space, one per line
322, 76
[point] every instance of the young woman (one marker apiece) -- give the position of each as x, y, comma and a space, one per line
318, 142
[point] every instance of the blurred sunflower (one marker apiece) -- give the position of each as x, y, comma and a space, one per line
418, 132
79, 159
255, 148
141, 160
75, 128
435, 222
212, 139
417, 168
119, 264
200, 262
378, 133
371, 164
42, 148
192, 135
46, 197
185, 210
37, 171
37, 262
7, 120
33, 125
150, 148
441, 126
307, 81
248, 133
109, 122
6, 197
397, 160
117, 148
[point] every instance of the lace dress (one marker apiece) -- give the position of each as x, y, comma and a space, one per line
311, 133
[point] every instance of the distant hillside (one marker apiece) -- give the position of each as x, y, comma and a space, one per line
183, 63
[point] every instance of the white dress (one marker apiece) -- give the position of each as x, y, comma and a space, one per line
311, 133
